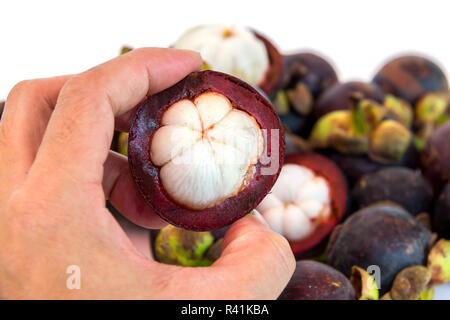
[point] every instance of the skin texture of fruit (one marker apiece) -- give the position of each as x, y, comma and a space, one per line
236, 50
404, 186
435, 159
305, 77
382, 235
317, 281
182, 202
338, 97
306, 202
441, 216
410, 77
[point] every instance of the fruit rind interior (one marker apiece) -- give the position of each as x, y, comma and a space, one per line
299, 201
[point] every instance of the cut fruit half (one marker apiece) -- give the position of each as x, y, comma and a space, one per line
206, 151
236, 50
307, 201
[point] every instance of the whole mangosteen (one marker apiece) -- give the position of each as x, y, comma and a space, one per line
307, 201
205, 152
435, 158
403, 186
305, 77
380, 235
236, 50
410, 77
317, 281
339, 96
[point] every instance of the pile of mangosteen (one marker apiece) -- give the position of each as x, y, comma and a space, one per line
355, 175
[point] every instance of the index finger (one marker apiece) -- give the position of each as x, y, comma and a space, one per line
80, 130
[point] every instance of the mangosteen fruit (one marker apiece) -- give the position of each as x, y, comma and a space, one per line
236, 50
367, 137
441, 215
403, 186
339, 96
305, 77
380, 235
205, 152
307, 201
317, 281
410, 77
435, 158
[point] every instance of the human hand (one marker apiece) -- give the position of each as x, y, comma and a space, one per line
56, 171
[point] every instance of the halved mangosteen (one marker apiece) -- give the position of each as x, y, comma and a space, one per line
236, 50
205, 152
307, 201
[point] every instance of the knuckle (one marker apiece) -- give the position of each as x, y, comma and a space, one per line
24, 87
281, 246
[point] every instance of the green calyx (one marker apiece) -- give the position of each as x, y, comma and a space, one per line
412, 283
431, 111
182, 247
364, 284
389, 142
281, 103
432, 108
439, 262
366, 129
399, 110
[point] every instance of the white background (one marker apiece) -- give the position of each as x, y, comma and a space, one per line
47, 38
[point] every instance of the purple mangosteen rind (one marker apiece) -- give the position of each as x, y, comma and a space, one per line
313, 280
146, 175
382, 235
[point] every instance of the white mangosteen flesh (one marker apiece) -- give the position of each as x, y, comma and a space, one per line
230, 49
206, 149
297, 204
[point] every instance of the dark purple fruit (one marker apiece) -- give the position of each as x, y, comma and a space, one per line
441, 217
199, 152
338, 96
316, 281
381, 235
411, 77
305, 77
403, 186
435, 159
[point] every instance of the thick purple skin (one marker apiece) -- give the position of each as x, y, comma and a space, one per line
146, 175
275, 70
411, 77
316, 281
404, 186
382, 235
441, 216
435, 159
337, 97
355, 166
